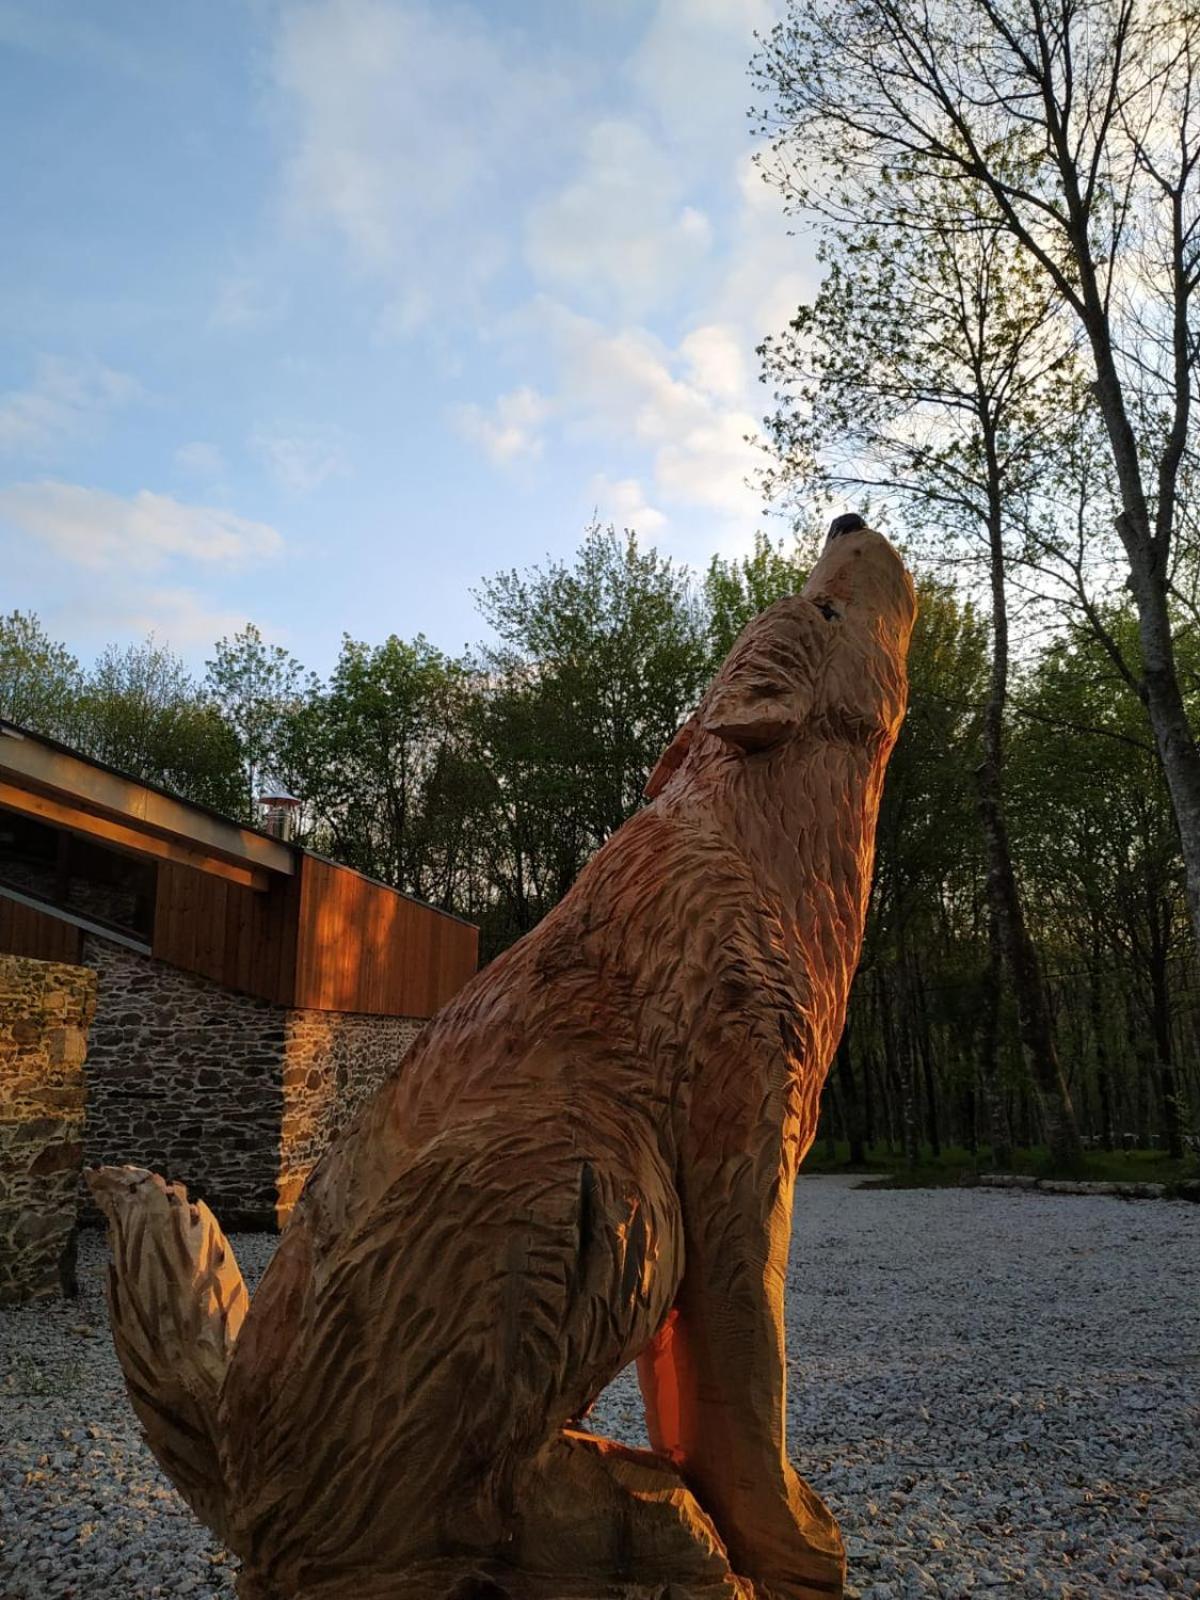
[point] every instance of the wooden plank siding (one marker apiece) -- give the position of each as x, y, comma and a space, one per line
326, 939
242, 938
26, 932
232, 904
364, 947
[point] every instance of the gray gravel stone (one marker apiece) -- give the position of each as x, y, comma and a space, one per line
997, 1392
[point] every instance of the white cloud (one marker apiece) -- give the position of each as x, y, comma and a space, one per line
301, 459
624, 502
711, 467
447, 290
691, 69
677, 404
202, 459
406, 313
402, 123
769, 269
510, 430
246, 300
622, 228
64, 400
715, 361
417, 135
179, 617
665, 217
96, 608
37, 29
137, 533
615, 383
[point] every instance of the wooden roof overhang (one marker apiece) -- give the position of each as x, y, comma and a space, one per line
47, 781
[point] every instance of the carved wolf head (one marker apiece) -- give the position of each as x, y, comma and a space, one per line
827, 663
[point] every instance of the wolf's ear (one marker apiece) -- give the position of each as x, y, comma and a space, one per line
671, 759
748, 719
767, 688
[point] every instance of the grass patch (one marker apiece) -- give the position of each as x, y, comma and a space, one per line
959, 1166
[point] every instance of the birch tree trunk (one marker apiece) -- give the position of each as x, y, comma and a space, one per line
1004, 897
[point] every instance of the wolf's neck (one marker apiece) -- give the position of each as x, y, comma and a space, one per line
808, 834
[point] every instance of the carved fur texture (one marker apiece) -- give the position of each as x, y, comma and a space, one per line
587, 1158
176, 1303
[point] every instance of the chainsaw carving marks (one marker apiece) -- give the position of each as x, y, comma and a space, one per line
586, 1159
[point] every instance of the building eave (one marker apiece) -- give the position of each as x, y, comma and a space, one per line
46, 779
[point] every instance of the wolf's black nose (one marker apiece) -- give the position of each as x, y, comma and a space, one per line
850, 522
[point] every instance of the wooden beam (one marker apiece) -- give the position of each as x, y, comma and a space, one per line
31, 803
96, 788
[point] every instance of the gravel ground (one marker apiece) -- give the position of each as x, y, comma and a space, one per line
997, 1393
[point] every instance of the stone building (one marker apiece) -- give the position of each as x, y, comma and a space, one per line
249, 993
45, 1011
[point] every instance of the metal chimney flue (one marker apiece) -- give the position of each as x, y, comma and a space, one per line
280, 811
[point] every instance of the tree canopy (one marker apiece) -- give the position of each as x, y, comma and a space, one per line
483, 783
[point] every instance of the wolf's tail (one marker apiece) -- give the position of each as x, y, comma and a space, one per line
177, 1301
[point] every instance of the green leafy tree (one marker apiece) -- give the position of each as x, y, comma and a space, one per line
1070, 127
738, 589
616, 645
930, 366
531, 841
141, 711
925, 952
257, 687
40, 680
376, 757
1096, 831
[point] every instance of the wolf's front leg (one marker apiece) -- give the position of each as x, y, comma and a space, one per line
714, 1379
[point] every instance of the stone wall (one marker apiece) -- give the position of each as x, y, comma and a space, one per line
184, 1077
45, 1010
230, 1095
333, 1061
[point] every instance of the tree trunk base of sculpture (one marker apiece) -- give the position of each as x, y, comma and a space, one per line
452, 1579
457, 1580
602, 1521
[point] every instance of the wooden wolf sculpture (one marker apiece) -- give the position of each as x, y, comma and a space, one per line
587, 1158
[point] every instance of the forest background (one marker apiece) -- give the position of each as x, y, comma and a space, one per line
482, 783
999, 369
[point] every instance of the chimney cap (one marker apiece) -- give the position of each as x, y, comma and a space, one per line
280, 797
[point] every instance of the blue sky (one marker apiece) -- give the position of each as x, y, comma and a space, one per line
314, 313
